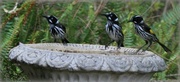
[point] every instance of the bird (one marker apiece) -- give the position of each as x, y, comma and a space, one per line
57, 30
113, 29
146, 33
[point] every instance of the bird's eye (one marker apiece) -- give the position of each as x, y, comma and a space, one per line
50, 21
109, 18
135, 22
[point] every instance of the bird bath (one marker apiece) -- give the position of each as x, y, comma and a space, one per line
85, 63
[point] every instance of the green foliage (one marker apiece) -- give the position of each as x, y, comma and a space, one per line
168, 23
84, 26
10, 70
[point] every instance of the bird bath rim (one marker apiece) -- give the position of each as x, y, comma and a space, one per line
78, 57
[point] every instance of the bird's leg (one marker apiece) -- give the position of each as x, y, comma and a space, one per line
119, 44
108, 44
149, 44
142, 46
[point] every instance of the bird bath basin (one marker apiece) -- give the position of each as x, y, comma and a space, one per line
85, 63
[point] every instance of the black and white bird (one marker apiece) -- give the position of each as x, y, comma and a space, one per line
57, 30
114, 30
145, 32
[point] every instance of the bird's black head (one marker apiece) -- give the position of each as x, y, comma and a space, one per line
51, 19
136, 19
111, 16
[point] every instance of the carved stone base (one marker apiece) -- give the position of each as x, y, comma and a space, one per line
36, 73
85, 63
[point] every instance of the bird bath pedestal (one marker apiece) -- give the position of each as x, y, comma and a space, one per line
85, 63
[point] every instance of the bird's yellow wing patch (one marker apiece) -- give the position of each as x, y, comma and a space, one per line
151, 32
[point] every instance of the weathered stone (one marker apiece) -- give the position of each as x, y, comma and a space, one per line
85, 62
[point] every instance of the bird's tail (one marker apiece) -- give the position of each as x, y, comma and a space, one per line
65, 41
164, 47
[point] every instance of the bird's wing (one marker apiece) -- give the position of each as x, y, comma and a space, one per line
146, 28
62, 27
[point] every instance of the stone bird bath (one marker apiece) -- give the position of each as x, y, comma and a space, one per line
85, 63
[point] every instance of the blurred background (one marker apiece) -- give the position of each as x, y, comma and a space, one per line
22, 21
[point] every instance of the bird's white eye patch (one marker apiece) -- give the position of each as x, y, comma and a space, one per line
142, 21
50, 21
116, 19
57, 22
109, 18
